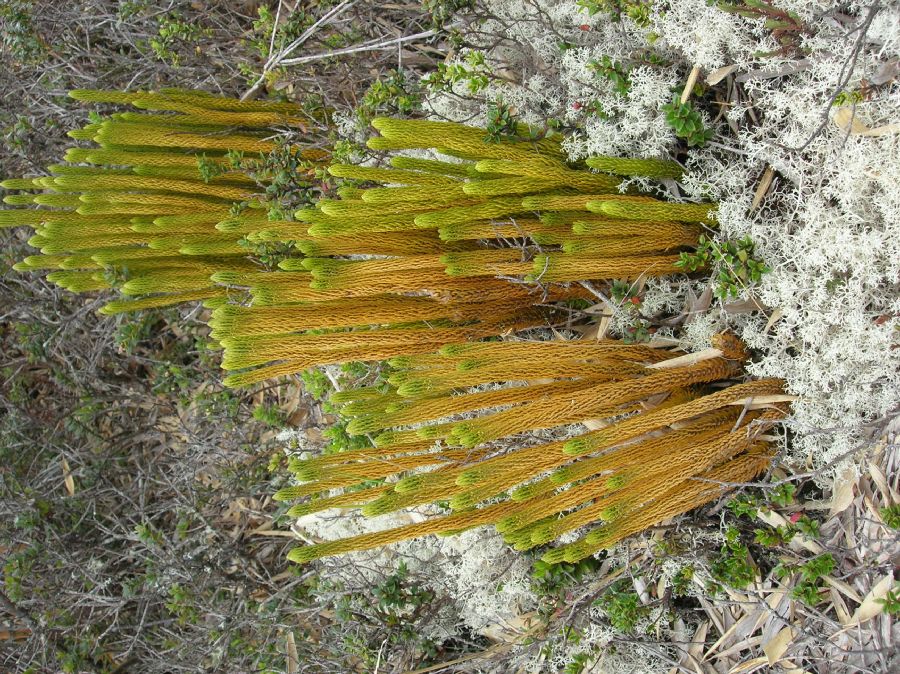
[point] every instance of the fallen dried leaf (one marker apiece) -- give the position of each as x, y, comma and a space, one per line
773, 319
842, 490
687, 359
791, 668
846, 120
68, 480
719, 74
885, 73
292, 658
843, 588
689, 85
762, 401
775, 647
840, 607
288, 534
697, 305
795, 67
749, 665
721, 640
695, 651
738, 648
878, 477
762, 189
870, 606
747, 306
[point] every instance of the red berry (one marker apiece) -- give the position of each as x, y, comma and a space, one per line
584, 26
795, 517
635, 300
576, 105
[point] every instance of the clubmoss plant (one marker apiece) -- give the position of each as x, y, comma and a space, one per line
139, 210
453, 427
458, 247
